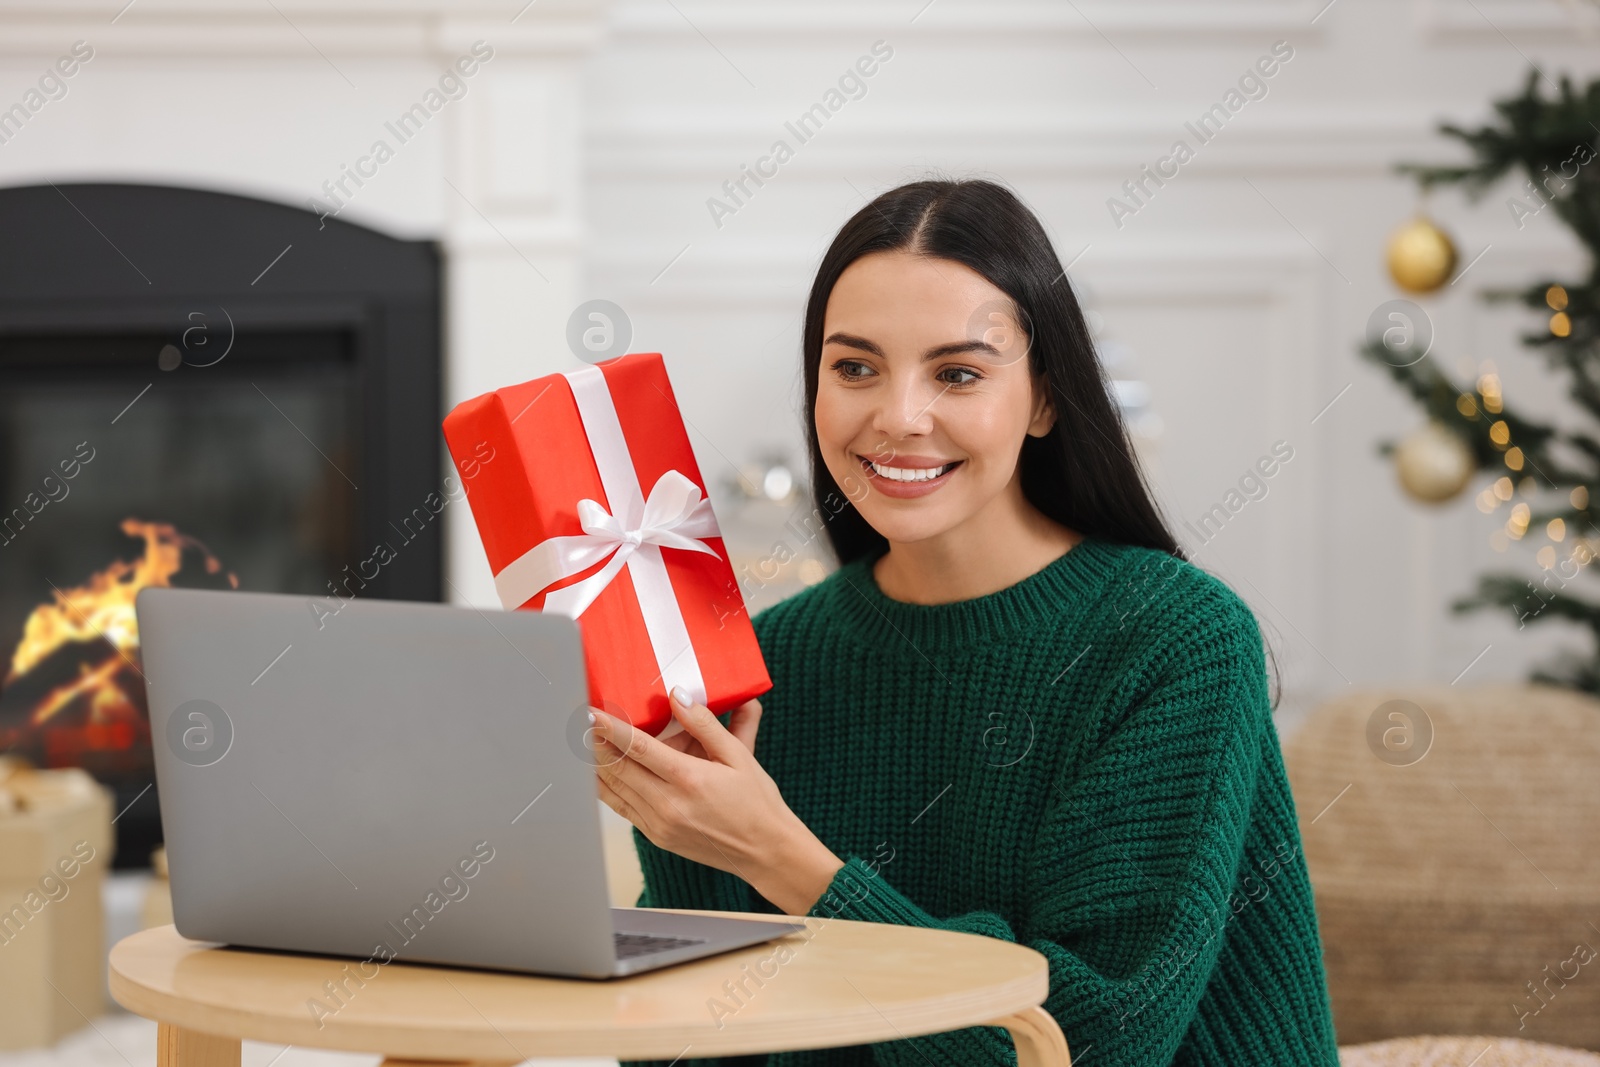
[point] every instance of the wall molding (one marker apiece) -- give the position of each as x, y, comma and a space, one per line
1323, 141
1568, 22
1146, 19
193, 29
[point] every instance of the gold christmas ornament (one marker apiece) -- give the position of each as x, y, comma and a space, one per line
1421, 256
1434, 464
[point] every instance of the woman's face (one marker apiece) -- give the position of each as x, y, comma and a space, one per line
924, 393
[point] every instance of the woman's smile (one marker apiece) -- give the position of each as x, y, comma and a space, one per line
908, 476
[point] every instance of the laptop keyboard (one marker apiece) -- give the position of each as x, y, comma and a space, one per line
632, 945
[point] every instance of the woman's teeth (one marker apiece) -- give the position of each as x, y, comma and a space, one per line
909, 474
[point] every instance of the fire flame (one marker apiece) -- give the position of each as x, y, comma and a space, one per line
103, 608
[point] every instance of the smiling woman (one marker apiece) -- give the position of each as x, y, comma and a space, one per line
999, 553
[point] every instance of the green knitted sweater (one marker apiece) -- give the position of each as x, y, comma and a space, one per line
1085, 763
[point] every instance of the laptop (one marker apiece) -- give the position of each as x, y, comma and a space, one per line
391, 781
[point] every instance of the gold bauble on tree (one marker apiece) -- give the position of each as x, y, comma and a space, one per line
1421, 256
1434, 463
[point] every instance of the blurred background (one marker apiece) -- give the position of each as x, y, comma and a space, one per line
252, 251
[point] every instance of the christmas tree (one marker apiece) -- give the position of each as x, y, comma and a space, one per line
1551, 142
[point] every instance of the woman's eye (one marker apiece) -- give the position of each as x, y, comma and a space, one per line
971, 375
850, 369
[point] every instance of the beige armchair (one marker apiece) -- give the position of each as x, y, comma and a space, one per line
1453, 841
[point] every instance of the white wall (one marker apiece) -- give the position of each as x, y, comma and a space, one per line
1240, 290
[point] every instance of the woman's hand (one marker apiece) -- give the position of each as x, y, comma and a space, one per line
743, 724
707, 799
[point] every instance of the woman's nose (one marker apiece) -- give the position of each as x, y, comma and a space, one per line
906, 407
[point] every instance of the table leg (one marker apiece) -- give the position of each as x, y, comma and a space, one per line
1039, 1040
177, 1047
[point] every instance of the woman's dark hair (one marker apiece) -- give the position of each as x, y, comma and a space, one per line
1083, 473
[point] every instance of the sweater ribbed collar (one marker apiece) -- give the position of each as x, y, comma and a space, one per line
1039, 601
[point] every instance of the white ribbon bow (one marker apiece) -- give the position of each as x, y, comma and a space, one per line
674, 516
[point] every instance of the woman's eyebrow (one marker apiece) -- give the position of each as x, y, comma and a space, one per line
954, 348
850, 340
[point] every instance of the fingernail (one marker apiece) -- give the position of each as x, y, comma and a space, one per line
591, 717
681, 695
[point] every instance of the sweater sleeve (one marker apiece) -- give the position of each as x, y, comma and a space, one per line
670, 881
1133, 867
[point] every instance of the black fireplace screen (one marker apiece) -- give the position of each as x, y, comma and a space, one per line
158, 428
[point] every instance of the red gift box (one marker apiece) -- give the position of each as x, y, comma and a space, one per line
593, 506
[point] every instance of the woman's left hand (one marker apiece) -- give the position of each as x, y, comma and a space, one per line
723, 811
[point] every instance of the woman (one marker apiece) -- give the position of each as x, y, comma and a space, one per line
1015, 709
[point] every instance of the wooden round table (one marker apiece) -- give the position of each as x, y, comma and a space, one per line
838, 983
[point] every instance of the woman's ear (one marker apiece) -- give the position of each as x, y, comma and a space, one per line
1044, 408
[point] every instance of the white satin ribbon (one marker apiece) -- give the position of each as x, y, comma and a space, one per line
674, 516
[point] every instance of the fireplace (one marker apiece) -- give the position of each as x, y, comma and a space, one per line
196, 389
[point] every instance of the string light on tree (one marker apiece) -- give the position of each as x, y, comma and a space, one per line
1517, 524
1489, 388
1560, 322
